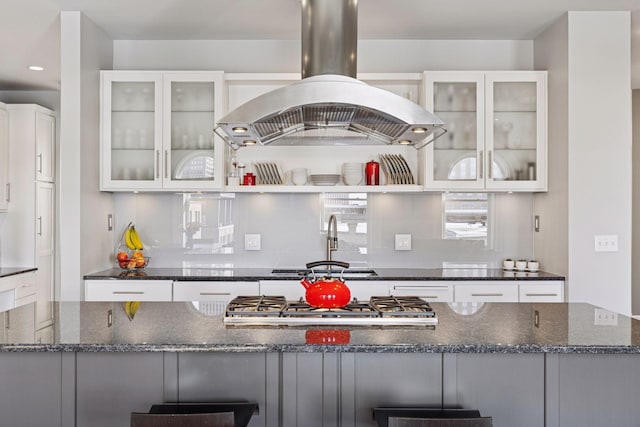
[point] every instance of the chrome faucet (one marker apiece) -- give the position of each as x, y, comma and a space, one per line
332, 236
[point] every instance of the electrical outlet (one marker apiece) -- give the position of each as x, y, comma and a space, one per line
606, 243
403, 242
252, 242
605, 317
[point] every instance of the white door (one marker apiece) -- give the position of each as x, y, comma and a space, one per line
44, 253
456, 160
45, 147
131, 137
192, 155
4, 160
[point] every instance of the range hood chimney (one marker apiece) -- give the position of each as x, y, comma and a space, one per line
329, 106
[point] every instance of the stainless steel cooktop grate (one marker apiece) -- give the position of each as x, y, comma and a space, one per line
379, 310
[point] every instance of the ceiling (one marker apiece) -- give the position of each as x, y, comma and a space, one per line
29, 29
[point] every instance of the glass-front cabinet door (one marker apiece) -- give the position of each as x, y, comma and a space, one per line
157, 131
192, 156
496, 130
456, 159
516, 137
131, 130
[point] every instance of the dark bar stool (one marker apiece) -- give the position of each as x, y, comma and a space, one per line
429, 417
241, 413
440, 422
220, 419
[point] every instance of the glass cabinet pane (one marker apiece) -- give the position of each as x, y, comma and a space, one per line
132, 131
514, 131
454, 153
192, 138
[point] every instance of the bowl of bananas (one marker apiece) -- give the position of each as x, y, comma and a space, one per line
129, 254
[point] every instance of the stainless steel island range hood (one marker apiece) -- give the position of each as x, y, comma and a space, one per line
329, 106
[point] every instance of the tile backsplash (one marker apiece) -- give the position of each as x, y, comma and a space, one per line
207, 230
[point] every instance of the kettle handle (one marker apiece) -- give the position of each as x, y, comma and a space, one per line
336, 263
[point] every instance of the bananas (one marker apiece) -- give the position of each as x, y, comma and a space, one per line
132, 239
130, 308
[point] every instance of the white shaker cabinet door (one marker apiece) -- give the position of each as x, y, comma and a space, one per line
45, 147
5, 191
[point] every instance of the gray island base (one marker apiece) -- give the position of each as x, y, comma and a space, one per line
522, 364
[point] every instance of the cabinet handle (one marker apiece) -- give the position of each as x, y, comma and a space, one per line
128, 292
215, 293
489, 165
541, 295
157, 164
39, 226
481, 164
39, 163
487, 295
166, 167
8, 192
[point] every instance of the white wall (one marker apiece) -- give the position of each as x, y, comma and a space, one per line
551, 243
635, 247
84, 239
600, 157
271, 56
590, 173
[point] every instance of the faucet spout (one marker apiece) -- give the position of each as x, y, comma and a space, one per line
332, 236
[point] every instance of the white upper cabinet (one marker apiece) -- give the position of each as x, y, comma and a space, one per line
157, 131
5, 191
45, 147
497, 131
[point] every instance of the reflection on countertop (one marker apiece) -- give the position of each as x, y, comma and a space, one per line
489, 328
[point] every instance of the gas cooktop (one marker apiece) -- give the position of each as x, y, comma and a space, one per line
379, 310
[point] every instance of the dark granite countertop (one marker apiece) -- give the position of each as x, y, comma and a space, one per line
248, 274
483, 328
12, 271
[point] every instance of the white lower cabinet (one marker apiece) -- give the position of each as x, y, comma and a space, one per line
292, 290
487, 292
363, 290
128, 290
510, 291
17, 290
213, 291
542, 291
429, 291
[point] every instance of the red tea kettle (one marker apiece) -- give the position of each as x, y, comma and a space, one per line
327, 292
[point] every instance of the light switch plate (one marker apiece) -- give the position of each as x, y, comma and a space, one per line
252, 242
403, 242
605, 317
606, 243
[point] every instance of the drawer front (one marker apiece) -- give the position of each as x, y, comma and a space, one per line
486, 293
542, 292
363, 290
292, 290
440, 293
127, 290
213, 291
26, 285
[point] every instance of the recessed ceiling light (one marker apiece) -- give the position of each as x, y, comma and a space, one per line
239, 129
404, 142
249, 142
36, 68
418, 130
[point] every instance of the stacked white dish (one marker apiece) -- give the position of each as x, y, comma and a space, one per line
324, 179
352, 173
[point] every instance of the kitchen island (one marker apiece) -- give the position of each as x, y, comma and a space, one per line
523, 364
